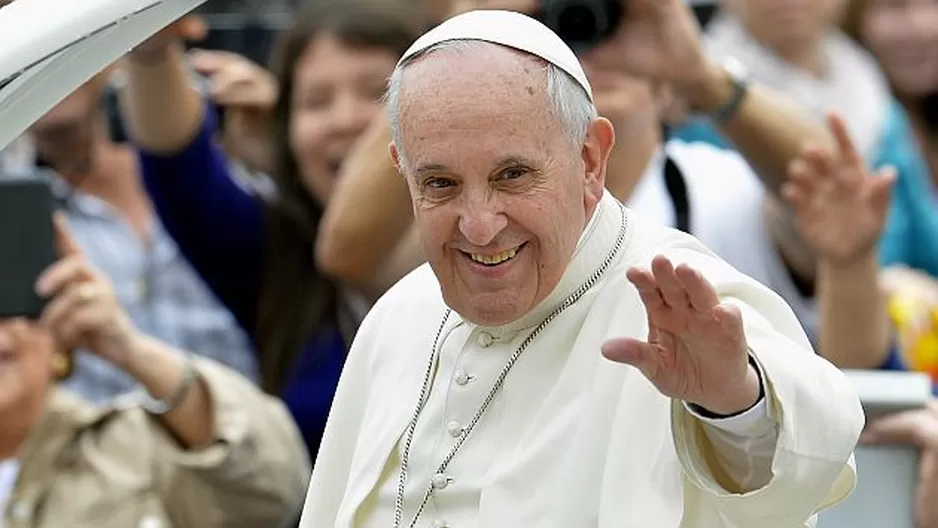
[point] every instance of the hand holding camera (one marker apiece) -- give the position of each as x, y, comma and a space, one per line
83, 311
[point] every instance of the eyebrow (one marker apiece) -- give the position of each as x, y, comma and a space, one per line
507, 161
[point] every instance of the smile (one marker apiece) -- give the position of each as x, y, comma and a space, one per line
496, 259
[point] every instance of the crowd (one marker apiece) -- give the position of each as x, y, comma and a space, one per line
225, 226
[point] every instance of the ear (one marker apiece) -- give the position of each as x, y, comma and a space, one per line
600, 139
395, 157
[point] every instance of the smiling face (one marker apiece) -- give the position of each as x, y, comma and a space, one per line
26, 369
784, 24
501, 195
337, 94
903, 34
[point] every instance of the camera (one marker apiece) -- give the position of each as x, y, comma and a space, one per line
582, 24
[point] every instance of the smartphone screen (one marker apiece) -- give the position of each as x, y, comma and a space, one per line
27, 243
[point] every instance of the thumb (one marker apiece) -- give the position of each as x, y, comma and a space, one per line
207, 62
191, 27
628, 351
64, 242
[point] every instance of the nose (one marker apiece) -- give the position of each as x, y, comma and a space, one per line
481, 221
351, 114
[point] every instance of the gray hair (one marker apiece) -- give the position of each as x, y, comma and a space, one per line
569, 101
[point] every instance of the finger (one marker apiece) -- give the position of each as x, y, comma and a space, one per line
820, 163
68, 301
802, 173
928, 466
730, 319
208, 62
79, 322
882, 188
634, 352
647, 288
64, 272
918, 428
795, 195
65, 243
671, 289
191, 27
848, 152
703, 297
656, 8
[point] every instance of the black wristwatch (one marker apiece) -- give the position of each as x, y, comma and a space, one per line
739, 77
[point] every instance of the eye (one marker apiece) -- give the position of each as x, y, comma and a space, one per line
438, 183
513, 173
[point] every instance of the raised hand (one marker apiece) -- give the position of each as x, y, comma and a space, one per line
83, 312
839, 207
696, 349
249, 93
236, 81
659, 40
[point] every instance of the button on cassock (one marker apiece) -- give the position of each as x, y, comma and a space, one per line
439, 481
462, 378
454, 429
486, 339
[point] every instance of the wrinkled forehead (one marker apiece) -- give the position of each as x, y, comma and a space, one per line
479, 80
462, 62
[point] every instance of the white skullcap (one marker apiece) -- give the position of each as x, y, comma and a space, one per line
507, 28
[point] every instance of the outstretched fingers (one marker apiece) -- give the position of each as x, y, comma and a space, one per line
703, 297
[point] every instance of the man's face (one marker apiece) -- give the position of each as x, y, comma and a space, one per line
782, 24
500, 194
65, 134
26, 353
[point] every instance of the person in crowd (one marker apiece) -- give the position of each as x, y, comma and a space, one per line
799, 51
842, 209
476, 394
903, 35
204, 448
99, 188
841, 213
690, 185
254, 250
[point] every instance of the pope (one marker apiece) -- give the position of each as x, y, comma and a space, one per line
561, 361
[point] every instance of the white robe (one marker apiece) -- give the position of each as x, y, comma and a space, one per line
574, 440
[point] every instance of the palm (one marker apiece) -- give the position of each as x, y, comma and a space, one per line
840, 208
696, 348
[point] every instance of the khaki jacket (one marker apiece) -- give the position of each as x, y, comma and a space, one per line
88, 467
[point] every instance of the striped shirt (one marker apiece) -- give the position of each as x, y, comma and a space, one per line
161, 293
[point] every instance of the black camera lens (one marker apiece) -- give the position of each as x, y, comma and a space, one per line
582, 24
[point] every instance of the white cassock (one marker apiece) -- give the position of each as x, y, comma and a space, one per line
572, 439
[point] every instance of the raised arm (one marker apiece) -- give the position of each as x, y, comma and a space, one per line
767, 129
211, 434
218, 224
363, 237
841, 211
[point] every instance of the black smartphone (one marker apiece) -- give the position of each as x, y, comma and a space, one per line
27, 243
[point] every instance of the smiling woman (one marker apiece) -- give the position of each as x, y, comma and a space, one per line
257, 253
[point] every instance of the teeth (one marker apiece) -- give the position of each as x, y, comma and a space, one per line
492, 260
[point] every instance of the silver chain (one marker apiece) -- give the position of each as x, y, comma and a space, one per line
493, 392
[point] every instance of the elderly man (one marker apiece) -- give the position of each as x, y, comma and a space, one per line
475, 393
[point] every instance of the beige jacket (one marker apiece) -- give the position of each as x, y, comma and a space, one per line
87, 467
